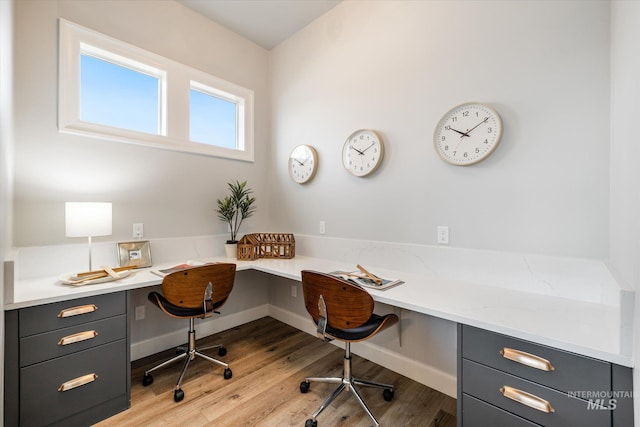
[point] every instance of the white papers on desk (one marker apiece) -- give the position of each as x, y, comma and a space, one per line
358, 278
164, 271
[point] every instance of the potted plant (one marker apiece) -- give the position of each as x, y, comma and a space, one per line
233, 209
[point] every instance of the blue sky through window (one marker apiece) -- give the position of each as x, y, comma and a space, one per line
212, 120
117, 96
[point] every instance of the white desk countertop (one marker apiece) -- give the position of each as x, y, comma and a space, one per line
587, 328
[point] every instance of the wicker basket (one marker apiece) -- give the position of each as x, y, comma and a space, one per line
266, 245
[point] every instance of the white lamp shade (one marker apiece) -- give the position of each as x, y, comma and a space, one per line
86, 219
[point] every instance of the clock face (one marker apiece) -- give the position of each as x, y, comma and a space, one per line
467, 134
303, 163
362, 152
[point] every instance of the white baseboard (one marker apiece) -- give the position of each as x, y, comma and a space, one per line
424, 374
160, 343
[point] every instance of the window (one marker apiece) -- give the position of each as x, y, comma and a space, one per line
118, 96
110, 89
212, 117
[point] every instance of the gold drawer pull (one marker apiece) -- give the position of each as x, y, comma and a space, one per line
74, 311
80, 336
77, 382
527, 359
526, 399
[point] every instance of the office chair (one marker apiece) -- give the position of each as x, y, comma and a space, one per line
343, 311
187, 294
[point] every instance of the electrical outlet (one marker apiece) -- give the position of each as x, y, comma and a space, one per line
140, 312
294, 291
321, 228
138, 230
443, 235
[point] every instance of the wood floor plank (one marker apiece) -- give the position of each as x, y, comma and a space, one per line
269, 359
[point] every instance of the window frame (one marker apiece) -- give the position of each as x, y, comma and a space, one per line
176, 80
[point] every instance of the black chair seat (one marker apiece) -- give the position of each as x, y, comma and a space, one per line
362, 332
161, 302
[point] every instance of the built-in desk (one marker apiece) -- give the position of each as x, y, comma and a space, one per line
594, 330
590, 329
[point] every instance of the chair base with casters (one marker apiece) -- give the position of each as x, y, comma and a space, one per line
189, 353
342, 311
346, 382
189, 294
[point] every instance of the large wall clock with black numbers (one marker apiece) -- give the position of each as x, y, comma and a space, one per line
467, 134
303, 163
362, 152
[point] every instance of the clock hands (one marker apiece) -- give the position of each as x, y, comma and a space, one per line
359, 152
372, 144
470, 130
299, 162
463, 134
460, 132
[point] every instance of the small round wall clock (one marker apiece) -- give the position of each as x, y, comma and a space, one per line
362, 152
467, 134
303, 163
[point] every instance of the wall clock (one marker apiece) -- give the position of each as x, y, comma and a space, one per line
303, 163
362, 152
467, 134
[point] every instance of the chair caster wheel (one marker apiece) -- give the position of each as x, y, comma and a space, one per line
147, 380
178, 395
304, 387
310, 423
222, 351
387, 394
227, 373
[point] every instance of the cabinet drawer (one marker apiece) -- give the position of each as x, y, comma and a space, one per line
485, 383
477, 413
41, 402
61, 342
570, 372
48, 317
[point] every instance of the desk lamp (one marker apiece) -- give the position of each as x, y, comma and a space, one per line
87, 219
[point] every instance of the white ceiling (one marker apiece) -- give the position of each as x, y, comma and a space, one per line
265, 22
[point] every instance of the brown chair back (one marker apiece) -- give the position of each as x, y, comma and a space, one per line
186, 288
348, 305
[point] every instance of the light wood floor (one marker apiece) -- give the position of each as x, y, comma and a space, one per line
269, 359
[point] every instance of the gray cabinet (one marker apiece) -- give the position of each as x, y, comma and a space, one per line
67, 363
505, 381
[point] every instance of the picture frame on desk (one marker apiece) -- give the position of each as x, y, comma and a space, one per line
137, 254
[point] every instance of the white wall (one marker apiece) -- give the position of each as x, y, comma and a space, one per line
6, 157
393, 66
625, 152
173, 194
397, 67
